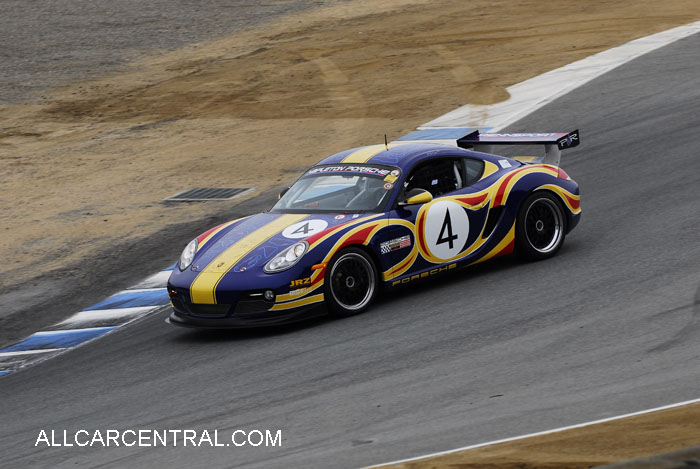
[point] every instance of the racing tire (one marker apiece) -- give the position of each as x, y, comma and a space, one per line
540, 227
351, 283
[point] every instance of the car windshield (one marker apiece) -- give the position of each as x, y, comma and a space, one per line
340, 188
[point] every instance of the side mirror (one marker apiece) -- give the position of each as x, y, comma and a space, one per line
282, 192
416, 196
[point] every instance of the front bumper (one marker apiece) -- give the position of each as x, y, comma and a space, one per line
242, 321
249, 309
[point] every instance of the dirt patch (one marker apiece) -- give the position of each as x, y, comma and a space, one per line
87, 167
581, 448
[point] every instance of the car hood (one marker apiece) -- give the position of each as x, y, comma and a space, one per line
253, 241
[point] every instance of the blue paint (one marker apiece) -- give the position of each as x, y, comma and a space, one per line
438, 134
4, 372
131, 299
57, 339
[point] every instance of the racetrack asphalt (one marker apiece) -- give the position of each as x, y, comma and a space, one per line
608, 326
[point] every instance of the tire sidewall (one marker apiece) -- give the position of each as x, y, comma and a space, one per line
334, 308
523, 248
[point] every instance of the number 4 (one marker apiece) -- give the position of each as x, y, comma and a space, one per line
302, 229
447, 227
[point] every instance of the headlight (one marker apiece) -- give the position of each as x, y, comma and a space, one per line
287, 258
187, 255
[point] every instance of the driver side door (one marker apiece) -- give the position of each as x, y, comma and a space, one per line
442, 231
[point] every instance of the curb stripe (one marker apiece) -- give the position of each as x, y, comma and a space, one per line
57, 339
130, 299
97, 320
104, 317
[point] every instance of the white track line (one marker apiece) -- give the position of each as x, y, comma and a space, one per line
546, 432
536, 92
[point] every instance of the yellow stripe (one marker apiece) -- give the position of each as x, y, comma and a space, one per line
203, 287
489, 169
509, 237
363, 154
296, 304
560, 191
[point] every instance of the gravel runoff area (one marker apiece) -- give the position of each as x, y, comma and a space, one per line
44, 44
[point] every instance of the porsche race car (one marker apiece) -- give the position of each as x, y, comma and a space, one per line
374, 218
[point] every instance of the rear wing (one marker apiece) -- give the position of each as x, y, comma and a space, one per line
553, 143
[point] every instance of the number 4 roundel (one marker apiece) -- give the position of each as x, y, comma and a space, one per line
304, 228
446, 229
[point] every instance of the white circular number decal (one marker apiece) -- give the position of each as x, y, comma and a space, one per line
446, 229
304, 228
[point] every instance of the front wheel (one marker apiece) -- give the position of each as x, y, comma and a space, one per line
350, 283
540, 227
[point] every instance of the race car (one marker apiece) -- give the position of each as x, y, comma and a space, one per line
375, 218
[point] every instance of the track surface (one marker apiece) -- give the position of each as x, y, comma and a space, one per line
608, 326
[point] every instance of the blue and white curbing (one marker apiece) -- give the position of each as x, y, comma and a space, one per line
150, 295
89, 324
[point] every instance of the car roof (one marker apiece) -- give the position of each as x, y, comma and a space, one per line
403, 155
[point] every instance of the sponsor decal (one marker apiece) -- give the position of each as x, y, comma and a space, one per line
304, 228
297, 292
392, 176
424, 274
388, 186
300, 282
339, 217
504, 163
349, 169
395, 244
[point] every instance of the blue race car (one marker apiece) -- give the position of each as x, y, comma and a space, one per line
376, 217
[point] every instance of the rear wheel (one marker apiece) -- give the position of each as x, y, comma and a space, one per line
540, 227
350, 283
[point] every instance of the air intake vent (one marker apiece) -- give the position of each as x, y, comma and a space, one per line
494, 217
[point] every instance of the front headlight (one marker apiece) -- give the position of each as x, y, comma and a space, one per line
287, 258
187, 255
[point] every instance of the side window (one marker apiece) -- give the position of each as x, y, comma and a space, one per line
437, 176
474, 169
